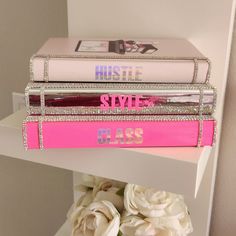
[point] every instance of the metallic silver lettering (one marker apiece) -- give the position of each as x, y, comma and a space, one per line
138, 136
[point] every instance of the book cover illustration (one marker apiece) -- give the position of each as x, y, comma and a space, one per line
116, 46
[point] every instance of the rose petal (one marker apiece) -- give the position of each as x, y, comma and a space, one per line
137, 226
115, 199
153, 203
98, 218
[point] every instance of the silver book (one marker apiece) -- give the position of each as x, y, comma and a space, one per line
119, 98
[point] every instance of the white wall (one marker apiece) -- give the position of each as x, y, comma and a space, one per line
224, 211
34, 198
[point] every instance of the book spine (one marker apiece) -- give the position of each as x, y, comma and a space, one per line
103, 99
109, 103
45, 134
167, 70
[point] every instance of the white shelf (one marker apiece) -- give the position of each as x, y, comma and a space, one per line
65, 230
208, 24
173, 169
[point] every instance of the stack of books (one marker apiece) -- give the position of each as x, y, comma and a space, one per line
119, 93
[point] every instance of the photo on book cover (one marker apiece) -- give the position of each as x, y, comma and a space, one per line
116, 46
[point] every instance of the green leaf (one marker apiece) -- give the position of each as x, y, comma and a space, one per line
120, 192
119, 234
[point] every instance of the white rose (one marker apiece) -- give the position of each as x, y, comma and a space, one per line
100, 189
165, 210
137, 226
83, 201
162, 226
97, 219
177, 227
148, 201
111, 196
94, 182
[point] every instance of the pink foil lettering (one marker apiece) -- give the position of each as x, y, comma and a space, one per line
113, 101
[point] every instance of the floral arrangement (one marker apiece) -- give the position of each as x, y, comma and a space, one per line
113, 208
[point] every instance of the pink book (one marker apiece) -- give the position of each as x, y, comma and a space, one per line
154, 60
44, 132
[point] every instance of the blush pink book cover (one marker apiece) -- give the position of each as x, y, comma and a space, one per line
104, 60
87, 134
